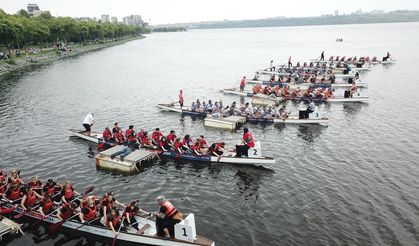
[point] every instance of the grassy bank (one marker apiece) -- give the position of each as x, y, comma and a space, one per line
36, 58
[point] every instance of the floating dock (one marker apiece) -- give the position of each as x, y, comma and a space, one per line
129, 164
8, 226
228, 123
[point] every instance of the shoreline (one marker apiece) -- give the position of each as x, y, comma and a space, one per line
32, 62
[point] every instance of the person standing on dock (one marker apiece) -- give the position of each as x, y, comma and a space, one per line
322, 56
181, 98
88, 122
242, 84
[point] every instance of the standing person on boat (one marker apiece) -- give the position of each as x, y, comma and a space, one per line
68, 192
322, 56
29, 198
289, 62
181, 99
89, 211
155, 137
248, 142
166, 217
271, 66
242, 84
385, 58
108, 201
88, 122
130, 211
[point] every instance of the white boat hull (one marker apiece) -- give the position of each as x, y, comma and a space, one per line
95, 137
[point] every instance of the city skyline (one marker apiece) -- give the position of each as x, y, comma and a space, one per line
183, 11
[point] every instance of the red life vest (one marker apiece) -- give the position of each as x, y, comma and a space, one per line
248, 139
68, 192
132, 212
145, 140
30, 199
178, 145
14, 194
47, 205
171, 137
91, 214
2, 188
3, 176
156, 136
107, 135
50, 189
104, 199
37, 184
68, 211
15, 181
202, 143
130, 135
170, 209
115, 220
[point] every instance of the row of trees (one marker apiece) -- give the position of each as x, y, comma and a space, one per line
20, 29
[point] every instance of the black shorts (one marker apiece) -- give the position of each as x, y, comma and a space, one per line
87, 127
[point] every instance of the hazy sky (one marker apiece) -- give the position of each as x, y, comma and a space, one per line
175, 11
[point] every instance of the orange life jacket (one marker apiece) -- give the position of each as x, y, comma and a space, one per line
170, 209
30, 199
91, 214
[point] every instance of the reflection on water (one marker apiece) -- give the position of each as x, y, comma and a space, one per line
248, 181
310, 132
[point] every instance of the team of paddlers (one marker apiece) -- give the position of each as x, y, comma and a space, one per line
64, 202
171, 142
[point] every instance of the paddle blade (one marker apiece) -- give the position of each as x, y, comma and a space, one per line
56, 226
90, 189
17, 216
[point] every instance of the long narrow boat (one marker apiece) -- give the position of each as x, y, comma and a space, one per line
95, 137
290, 120
149, 230
356, 99
183, 110
312, 85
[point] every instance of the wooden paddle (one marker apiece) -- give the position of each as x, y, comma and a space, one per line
56, 226
88, 190
88, 223
114, 240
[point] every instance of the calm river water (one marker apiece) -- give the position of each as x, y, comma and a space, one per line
355, 182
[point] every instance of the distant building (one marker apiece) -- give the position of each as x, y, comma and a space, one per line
134, 20
114, 20
32, 7
336, 12
84, 19
105, 18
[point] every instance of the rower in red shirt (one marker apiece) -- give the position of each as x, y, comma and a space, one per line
155, 137
242, 84
178, 145
202, 143
171, 137
181, 99
186, 142
107, 134
130, 134
248, 142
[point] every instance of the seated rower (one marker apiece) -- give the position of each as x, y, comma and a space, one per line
310, 109
119, 137
283, 114
35, 183
164, 144
107, 135
13, 193
15, 178
248, 142
171, 137
130, 211
108, 201
286, 91
29, 198
89, 210
140, 134
297, 92
202, 142
114, 220
319, 94
328, 93
46, 205
216, 149
307, 93
186, 142
68, 192
67, 210
354, 89
115, 128
3, 185
195, 148
210, 106
155, 137
193, 106
130, 134
146, 142
177, 146
50, 188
